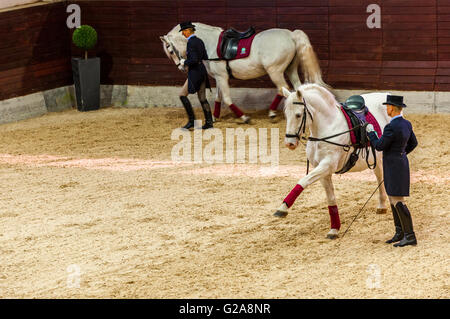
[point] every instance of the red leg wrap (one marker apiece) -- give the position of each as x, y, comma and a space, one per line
334, 217
217, 109
276, 101
236, 110
290, 199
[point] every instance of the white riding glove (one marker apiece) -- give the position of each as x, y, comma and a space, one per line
182, 62
181, 68
369, 128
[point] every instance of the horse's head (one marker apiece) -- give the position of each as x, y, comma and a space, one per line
174, 46
294, 110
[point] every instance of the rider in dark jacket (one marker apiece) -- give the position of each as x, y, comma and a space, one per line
197, 75
398, 139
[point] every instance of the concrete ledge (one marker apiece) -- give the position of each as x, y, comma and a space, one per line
442, 102
249, 99
417, 102
21, 108
59, 99
113, 95
255, 99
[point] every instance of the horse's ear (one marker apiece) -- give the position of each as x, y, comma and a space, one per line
163, 39
286, 92
299, 95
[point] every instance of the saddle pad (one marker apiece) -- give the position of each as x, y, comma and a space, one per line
244, 46
369, 118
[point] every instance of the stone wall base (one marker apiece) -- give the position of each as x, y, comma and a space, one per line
249, 99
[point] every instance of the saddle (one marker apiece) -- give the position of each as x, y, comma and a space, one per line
230, 42
355, 112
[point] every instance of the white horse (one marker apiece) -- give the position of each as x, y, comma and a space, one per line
324, 118
273, 52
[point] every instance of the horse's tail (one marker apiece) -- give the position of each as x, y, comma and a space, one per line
308, 59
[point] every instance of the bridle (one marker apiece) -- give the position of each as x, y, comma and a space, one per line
302, 130
172, 50
346, 147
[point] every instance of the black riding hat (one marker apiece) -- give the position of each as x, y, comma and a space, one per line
186, 25
395, 100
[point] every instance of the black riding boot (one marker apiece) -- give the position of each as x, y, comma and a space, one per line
398, 227
407, 226
208, 115
190, 112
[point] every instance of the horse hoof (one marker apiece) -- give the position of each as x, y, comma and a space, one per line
333, 234
280, 214
245, 119
381, 210
272, 115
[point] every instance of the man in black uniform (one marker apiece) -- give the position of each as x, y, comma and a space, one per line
398, 139
197, 80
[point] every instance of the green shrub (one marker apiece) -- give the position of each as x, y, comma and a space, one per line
85, 37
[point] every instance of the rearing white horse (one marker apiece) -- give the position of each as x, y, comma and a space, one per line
324, 118
273, 52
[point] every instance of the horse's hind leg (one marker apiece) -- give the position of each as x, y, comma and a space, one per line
277, 77
327, 184
222, 83
382, 196
292, 73
217, 105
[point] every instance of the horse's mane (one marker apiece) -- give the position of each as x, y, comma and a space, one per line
179, 41
207, 26
327, 95
198, 26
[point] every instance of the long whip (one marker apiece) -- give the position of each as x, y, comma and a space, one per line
361, 210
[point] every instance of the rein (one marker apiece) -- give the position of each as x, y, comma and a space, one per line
174, 51
302, 130
347, 147
302, 127
325, 139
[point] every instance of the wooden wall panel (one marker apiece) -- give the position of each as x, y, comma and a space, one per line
410, 52
34, 50
442, 81
409, 34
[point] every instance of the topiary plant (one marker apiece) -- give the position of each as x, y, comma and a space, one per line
85, 37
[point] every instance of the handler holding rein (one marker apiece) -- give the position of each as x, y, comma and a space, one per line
197, 80
398, 139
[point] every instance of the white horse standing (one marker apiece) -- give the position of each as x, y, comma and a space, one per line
324, 118
273, 52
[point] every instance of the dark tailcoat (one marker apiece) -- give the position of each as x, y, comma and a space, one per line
197, 73
398, 139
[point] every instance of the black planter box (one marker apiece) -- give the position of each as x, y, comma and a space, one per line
86, 77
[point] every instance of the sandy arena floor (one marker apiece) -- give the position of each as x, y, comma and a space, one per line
97, 192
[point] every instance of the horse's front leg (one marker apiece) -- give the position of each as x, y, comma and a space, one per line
335, 221
322, 170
